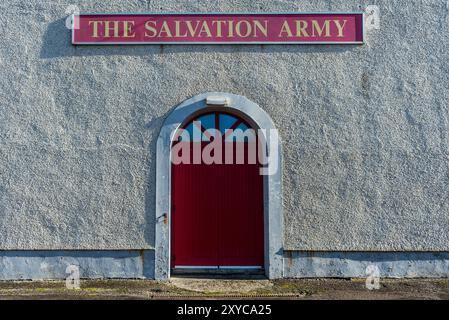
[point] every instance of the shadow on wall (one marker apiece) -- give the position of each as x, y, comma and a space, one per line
57, 43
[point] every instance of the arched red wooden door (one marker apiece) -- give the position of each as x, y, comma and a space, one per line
217, 209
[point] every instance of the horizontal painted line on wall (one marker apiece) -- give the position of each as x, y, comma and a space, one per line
76, 249
365, 251
218, 267
196, 267
241, 267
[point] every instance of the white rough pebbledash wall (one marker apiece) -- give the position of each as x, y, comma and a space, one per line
365, 129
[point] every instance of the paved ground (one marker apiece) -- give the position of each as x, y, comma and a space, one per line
182, 288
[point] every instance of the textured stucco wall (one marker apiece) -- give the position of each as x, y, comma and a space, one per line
365, 128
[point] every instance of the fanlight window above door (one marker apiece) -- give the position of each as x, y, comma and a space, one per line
230, 128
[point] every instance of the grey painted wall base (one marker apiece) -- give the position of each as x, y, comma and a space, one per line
37, 265
354, 264
127, 264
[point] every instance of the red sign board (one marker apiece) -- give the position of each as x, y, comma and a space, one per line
219, 28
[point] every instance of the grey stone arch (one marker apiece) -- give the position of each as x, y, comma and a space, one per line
273, 216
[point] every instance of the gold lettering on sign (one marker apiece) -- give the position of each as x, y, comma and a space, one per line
205, 29
219, 24
285, 29
326, 28
241, 27
128, 31
340, 27
108, 28
165, 29
178, 30
301, 28
230, 28
150, 26
95, 27
239, 31
262, 28
192, 30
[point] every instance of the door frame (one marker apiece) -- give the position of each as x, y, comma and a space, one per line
273, 216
